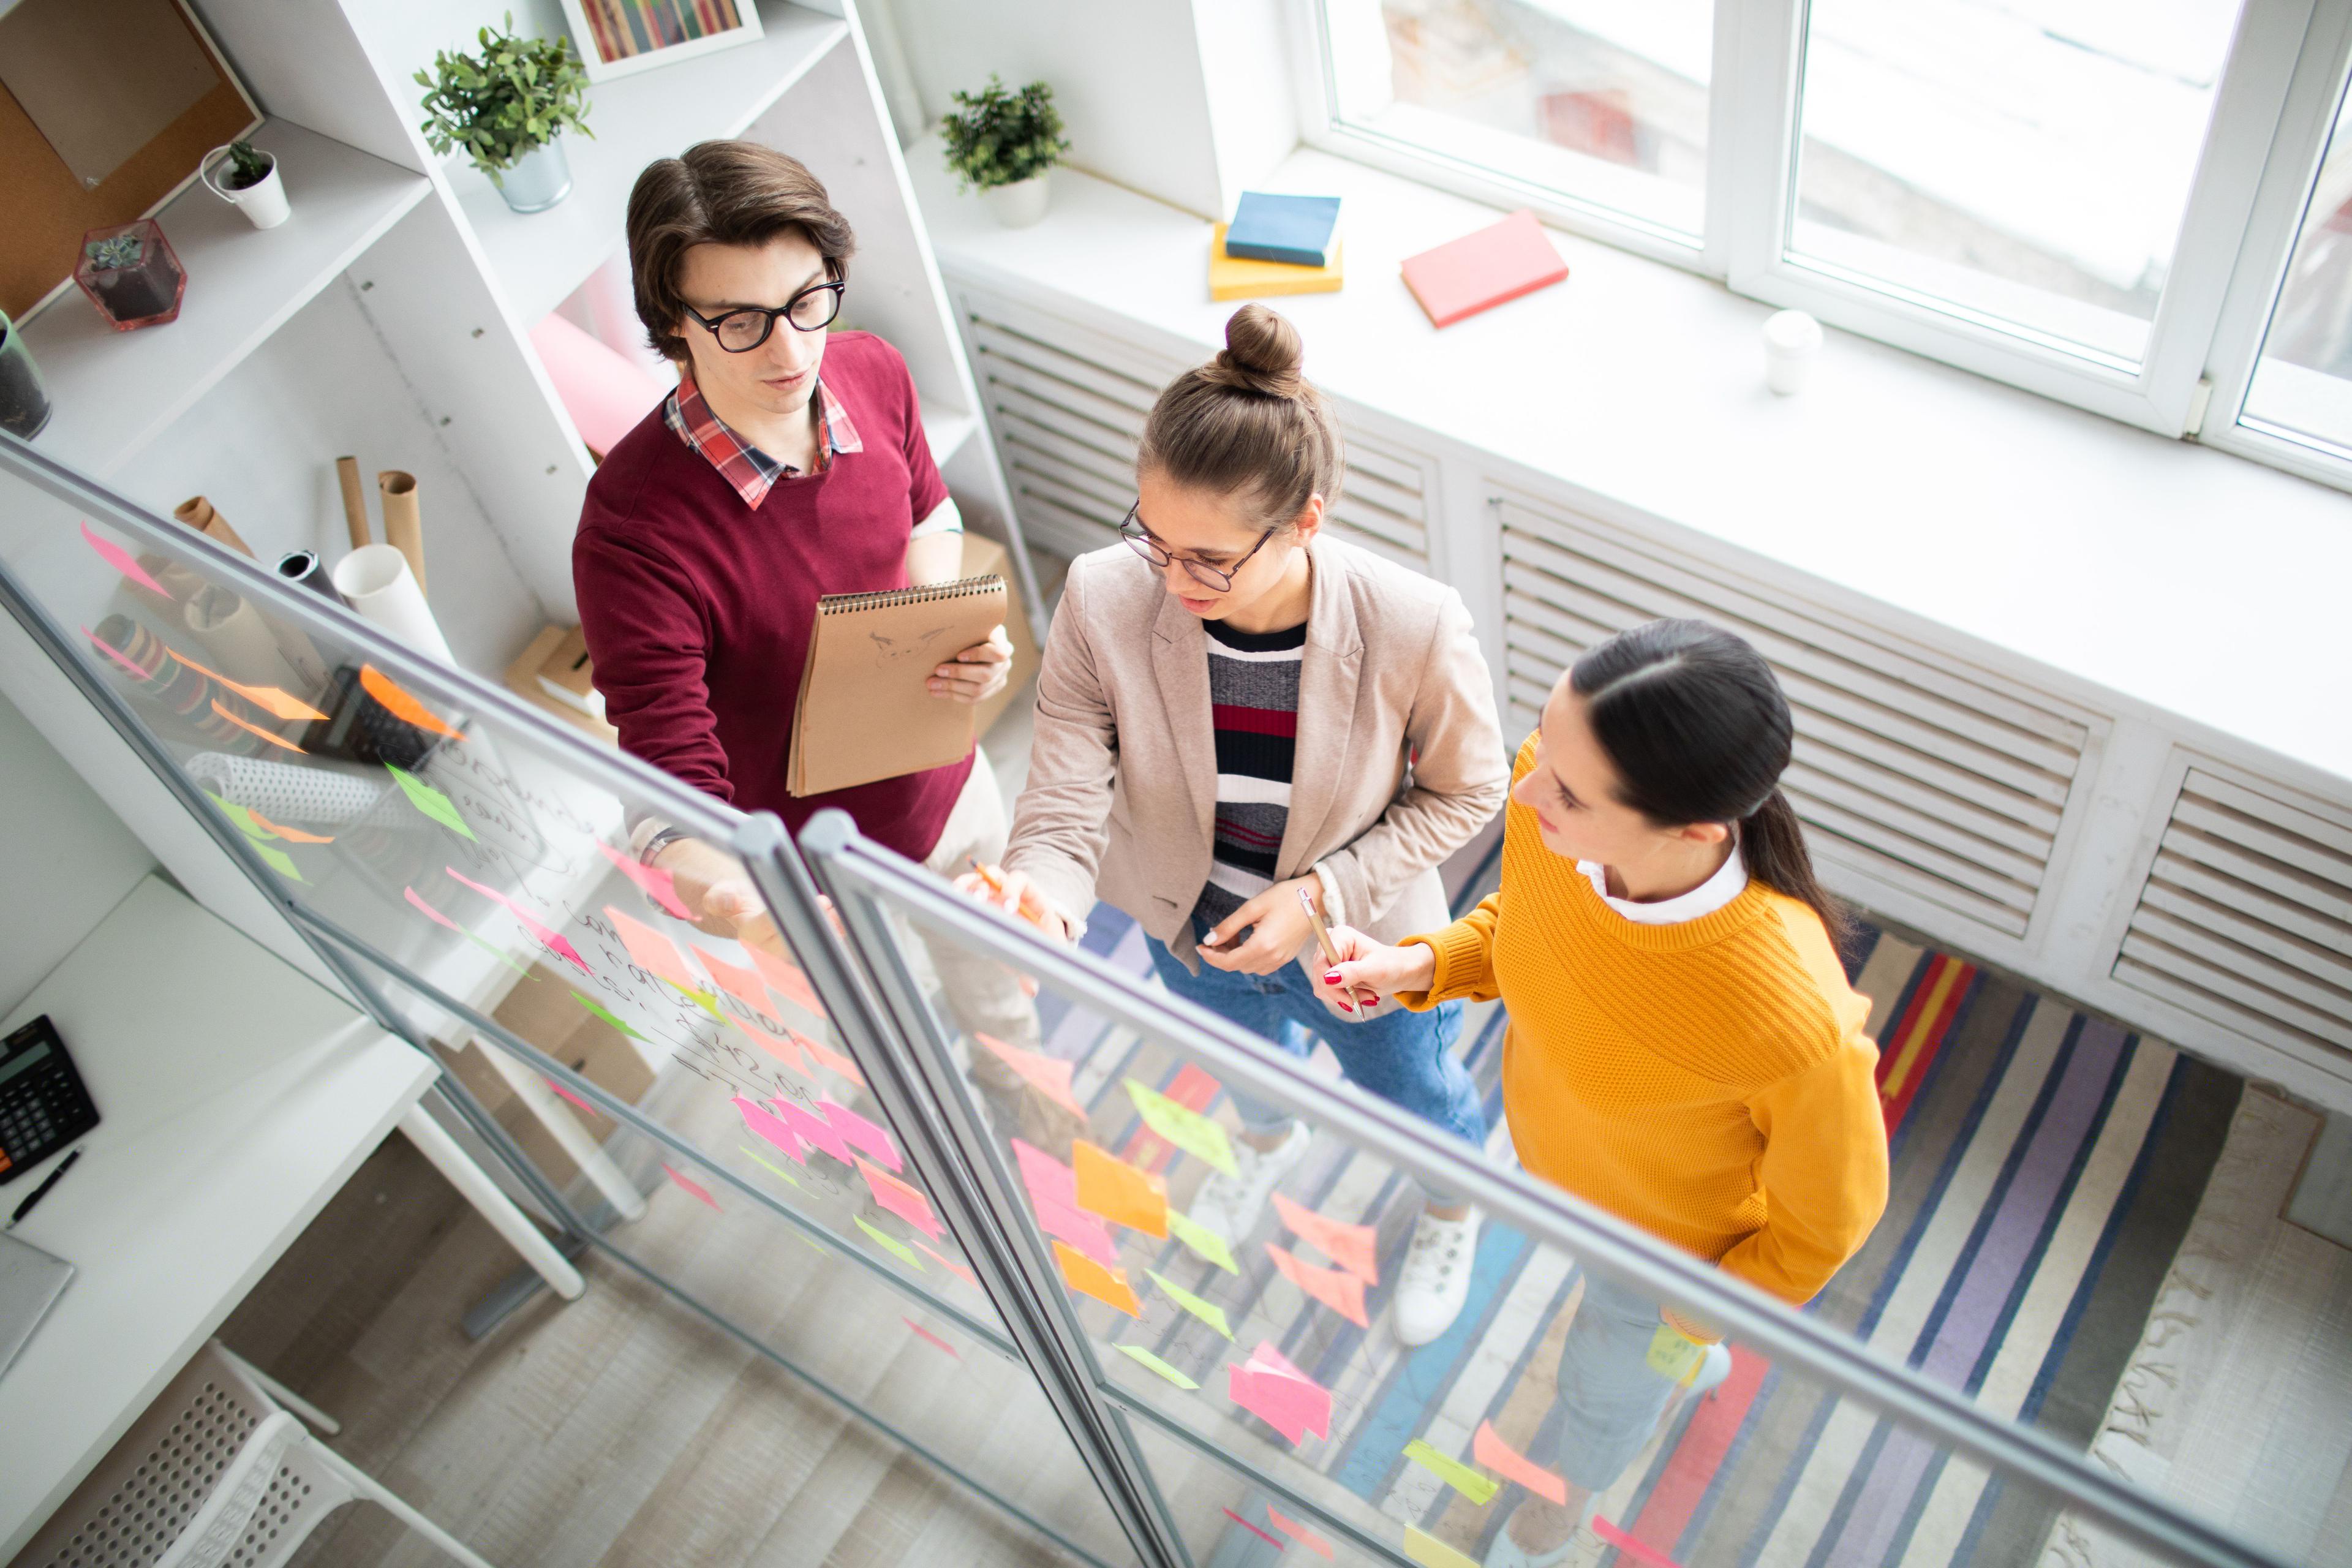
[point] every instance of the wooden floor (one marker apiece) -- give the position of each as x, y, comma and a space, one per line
620, 1429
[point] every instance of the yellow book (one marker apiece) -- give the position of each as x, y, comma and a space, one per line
1241, 278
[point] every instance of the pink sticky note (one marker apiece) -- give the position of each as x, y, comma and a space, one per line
1298, 1532
935, 1339
1352, 1246
772, 1127
1489, 1449
429, 912
658, 886
691, 1184
1049, 1075
740, 983
653, 950
1336, 1288
1054, 1194
860, 1133
902, 1200
813, 1129
1275, 1541
1047, 1179
1284, 1398
786, 980
115, 654
573, 1098
962, 1271
1638, 1551
531, 922
114, 556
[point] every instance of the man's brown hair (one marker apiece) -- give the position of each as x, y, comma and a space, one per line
720, 193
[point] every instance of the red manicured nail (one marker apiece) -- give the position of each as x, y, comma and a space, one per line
1330, 977
1375, 999
1344, 1007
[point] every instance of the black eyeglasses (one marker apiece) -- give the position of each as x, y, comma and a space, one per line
1220, 578
741, 332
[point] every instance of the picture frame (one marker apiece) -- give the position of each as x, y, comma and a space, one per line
621, 37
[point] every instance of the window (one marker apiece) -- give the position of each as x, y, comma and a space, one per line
2057, 193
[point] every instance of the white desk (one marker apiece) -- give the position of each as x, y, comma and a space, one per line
235, 1097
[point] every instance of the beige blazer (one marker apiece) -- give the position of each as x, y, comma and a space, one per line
1122, 798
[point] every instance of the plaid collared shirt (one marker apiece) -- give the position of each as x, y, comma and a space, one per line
752, 471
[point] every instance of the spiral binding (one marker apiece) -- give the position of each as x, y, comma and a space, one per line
961, 588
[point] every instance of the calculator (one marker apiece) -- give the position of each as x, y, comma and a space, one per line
43, 1106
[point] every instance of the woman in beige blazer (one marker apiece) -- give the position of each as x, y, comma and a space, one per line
1234, 707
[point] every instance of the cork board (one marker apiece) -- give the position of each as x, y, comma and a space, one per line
50, 207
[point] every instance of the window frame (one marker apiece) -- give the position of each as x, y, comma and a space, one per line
2273, 110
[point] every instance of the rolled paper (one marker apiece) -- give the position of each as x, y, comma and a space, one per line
321, 793
376, 581
139, 659
347, 475
304, 567
239, 640
199, 514
404, 530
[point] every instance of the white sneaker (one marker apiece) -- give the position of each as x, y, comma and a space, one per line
1231, 1205
1711, 1370
1435, 1280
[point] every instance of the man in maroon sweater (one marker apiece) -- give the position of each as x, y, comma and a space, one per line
760, 485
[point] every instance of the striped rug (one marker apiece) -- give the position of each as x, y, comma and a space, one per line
2046, 1166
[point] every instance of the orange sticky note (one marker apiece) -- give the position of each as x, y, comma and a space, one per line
1489, 1449
1298, 1532
1352, 1246
291, 835
1050, 1076
962, 1271
738, 982
907, 1202
830, 1058
270, 699
787, 980
250, 727
1087, 1278
1110, 1186
397, 701
1336, 1288
653, 950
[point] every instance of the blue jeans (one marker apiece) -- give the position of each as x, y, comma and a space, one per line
1406, 1059
1609, 1395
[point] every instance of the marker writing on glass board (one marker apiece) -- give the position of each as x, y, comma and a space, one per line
37, 1194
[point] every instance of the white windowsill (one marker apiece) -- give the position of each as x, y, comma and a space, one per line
2172, 572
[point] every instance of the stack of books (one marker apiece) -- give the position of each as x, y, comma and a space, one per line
1277, 245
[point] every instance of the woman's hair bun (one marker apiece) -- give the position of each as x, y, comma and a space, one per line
1263, 353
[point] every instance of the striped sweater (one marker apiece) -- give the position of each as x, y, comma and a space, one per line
1253, 705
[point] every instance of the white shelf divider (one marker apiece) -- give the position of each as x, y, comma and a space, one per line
114, 392
541, 257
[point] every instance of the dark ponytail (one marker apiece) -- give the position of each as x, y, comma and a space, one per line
1698, 729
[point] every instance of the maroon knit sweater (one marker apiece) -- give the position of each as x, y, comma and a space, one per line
697, 610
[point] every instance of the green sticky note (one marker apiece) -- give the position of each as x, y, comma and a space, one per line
276, 858
762, 1159
430, 801
706, 1000
500, 956
597, 1007
242, 817
1208, 1312
1478, 1488
1183, 1126
1671, 1356
1206, 1243
891, 1244
1138, 1354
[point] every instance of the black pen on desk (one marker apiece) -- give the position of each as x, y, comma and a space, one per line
37, 1194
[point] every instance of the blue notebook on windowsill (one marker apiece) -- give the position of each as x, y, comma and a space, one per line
1296, 229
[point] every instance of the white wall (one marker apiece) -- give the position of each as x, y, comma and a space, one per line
66, 858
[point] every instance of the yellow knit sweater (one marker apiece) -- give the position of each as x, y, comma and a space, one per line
1708, 1081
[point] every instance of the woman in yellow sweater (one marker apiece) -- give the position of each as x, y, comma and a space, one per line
1684, 1048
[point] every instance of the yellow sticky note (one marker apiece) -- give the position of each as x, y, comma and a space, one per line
1673, 1357
1087, 1278
1425, 1549
1206, 1243
1208, 1312
1183, 1126
1110, 1186
1145, 1358
1478, 1488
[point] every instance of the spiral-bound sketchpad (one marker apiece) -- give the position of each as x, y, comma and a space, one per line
315, 794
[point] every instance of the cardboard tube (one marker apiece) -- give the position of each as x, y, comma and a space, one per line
404, 530
239, 640
198, 513
355, 518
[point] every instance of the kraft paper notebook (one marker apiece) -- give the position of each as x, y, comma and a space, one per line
865, 710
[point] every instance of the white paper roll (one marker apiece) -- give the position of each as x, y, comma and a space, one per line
318, 792
376, 581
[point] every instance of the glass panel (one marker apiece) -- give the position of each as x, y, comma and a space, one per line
480, 857
1279, 1386
1605, 103
2027, 163
2303, 382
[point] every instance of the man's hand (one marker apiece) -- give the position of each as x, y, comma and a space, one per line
978, 673
1282, 930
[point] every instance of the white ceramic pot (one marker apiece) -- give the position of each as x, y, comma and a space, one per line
1019, 205
262, 202
1792, 342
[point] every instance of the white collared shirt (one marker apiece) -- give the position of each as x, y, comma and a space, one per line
1730, 879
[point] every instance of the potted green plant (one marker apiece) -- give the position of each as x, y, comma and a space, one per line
506, 107
1003, 143
247, 179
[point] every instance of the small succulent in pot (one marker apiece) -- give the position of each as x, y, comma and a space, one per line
130, 274
515, 97
247, 167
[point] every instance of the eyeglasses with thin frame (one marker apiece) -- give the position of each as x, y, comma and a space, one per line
739, 331
1220, 578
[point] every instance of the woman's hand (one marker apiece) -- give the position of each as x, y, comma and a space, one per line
978, 673
714, 885
1366, 965
1282, 930
1014, 894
